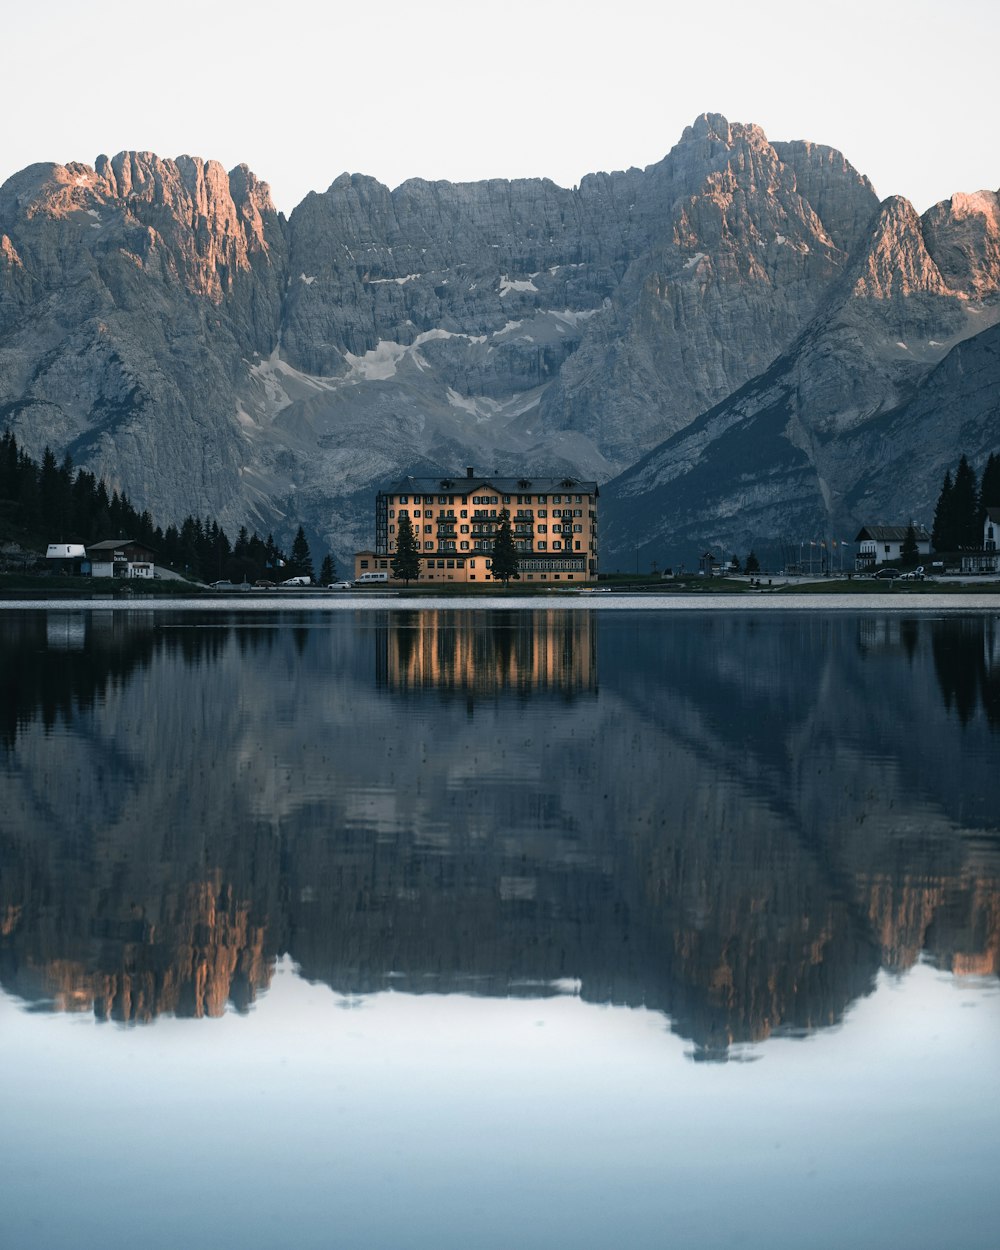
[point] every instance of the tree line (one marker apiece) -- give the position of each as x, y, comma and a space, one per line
961, 507
72, 505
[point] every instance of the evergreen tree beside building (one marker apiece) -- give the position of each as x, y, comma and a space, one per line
406, 560
505, 559
328, 570
965, 507
989, 488
301, 562
909, 551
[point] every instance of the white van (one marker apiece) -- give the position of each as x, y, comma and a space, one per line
366, 578
297, 581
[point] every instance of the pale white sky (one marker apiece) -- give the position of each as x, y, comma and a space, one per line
302, 91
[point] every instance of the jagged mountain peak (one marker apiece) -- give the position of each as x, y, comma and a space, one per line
162, 323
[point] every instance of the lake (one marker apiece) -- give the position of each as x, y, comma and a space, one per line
382, 926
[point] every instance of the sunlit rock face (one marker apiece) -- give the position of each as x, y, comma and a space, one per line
162, 323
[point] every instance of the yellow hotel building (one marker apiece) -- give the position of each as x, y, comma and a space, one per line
553, 522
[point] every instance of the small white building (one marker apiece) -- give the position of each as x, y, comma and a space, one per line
881, 544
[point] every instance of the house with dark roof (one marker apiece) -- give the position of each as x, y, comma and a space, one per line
881, 544
455, 520
121, 557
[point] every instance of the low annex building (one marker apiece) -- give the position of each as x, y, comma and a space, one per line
880, 544
553, 522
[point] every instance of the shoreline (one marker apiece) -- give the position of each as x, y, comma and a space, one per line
671, 601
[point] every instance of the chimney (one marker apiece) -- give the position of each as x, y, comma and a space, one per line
470, 472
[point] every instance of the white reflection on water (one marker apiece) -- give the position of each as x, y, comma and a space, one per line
449, 1121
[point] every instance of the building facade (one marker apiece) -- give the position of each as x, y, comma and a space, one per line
880, 544
121, 557
455, 520
987, 560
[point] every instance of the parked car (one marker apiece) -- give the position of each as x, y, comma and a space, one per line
293, 582
339, 586
367, 578
887, 575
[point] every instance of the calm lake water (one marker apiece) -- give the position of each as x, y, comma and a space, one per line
378, 927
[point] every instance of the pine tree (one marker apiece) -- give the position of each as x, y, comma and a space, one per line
505, 559
965, 507
943, 531
909, 550
406, 561
989, 488
301, 561
752, 564
328, 571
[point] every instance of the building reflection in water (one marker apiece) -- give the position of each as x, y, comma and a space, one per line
740, 831
470, 652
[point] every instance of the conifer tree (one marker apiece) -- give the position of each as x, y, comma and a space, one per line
989, 488
406, 561
909, 550
301, 561
942, 533
505, 560
965, 506
752, 564
328, 571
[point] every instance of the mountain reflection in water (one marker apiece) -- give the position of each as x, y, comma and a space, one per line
735, 821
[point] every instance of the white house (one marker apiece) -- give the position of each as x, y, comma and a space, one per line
987, 560
880, 544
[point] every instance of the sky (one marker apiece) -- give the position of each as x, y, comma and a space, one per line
447, 89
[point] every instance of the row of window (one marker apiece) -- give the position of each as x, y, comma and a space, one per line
488, 499
518, 529
428, 514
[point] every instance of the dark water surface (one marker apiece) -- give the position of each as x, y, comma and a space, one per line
514, 928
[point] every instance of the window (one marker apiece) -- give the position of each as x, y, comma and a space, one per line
428, 528
542, 546
577, 529
557, 545
557, 511
463, 513
392, 513
542, 512
464, 529
506, 498
440, 564
392, 529
416, 512
442, 498
363, 564
543, 529
543, 499
428, 546
557, 498
451, 564
464, 546
578, 511
404, 499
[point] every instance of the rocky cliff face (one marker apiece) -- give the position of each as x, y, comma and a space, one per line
857, 421
162, 323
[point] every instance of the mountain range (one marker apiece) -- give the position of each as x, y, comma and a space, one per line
741, 343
